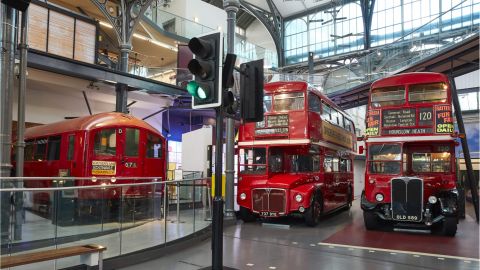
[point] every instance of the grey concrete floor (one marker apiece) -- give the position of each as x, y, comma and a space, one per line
259, 246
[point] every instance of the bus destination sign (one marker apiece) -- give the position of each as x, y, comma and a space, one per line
373, 123
443, 119
280, 120
399, 118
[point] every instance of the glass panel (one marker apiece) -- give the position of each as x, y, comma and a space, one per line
267, 103
431, 162
40, 149
71, 147
313, 103
388, 96
289, 102
253, 161
132, 138
328, 164
105, 142
303, 163
29, 150
154, 146
385, 167
53, 150
326, 112
424, 93
384, 152
275, 161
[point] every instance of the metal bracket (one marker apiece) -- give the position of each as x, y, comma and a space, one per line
128, 15
272, 20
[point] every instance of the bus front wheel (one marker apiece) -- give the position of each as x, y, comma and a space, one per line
246, 215
312, 215
370, 220
448, 227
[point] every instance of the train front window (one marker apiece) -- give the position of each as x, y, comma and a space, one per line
388, 96
385, 158
40, 149
253, 161
105, 142
29, 150
426, 93
154, 146
288, 102
132, 138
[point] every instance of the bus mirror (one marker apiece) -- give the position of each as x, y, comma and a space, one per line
360, 149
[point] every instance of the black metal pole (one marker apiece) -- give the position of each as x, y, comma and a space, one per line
466, 152
217, 222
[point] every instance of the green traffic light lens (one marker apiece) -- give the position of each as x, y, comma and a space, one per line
196, 90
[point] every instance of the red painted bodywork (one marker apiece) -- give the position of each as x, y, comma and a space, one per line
433, 181
304, 130
84, 129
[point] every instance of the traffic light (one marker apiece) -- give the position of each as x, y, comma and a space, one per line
230, 103
251, 91
206, 88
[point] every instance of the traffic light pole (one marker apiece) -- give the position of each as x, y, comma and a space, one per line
217, 221
231, 7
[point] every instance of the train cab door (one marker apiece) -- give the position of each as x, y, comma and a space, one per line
131, 163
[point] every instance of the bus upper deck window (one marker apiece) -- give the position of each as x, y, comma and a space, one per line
105, 142
288, 102
267, 103
431, 92
388, 96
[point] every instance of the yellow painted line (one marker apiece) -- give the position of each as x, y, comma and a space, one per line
371, 250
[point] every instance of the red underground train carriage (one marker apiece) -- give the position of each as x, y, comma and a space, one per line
299, 160
98, 149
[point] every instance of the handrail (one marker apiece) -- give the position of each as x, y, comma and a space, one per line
29, 178
169, 182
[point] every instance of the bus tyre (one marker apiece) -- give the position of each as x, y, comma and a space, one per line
448, 227
370, 220
312, 215
246, 215
350, 198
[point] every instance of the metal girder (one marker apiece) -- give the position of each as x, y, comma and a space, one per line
129, 13
272, 20
367, 7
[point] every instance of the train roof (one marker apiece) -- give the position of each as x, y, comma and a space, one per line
300, 86
88, 123
409, 78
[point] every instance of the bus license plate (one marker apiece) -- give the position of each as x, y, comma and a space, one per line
407, 218
269, 214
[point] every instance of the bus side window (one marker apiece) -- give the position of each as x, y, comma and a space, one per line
53, 148
349, 165
71, 147
40, 149
326, 111
105, 142
327, 164
154, 146
313, 103
335, 164
132, 138
29, 150
343, 165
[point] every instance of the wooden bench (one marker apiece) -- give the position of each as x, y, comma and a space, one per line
89, 255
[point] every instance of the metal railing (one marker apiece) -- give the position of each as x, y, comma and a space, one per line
124, 217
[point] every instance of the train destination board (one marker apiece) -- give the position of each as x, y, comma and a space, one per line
399, 118
373, 123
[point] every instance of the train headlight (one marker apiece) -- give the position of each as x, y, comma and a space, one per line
113, 179
94, 179
379, 197
298, 197
243, 196
432, 199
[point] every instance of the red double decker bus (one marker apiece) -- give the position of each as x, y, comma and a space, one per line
98, 149
410, 177
299, 160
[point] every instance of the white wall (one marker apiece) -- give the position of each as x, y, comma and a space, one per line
358, 176
257, 34
469, 80
195, 145
207, 14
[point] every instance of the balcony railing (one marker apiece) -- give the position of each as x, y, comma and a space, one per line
124, 217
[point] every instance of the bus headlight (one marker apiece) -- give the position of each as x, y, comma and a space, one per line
379, 197
243, 196
298, 197
432, 199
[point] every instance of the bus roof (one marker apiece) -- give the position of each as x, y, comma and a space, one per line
410, 78
88, 123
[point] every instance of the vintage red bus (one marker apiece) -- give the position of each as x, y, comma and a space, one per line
298, 161
410, 177
107, 145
